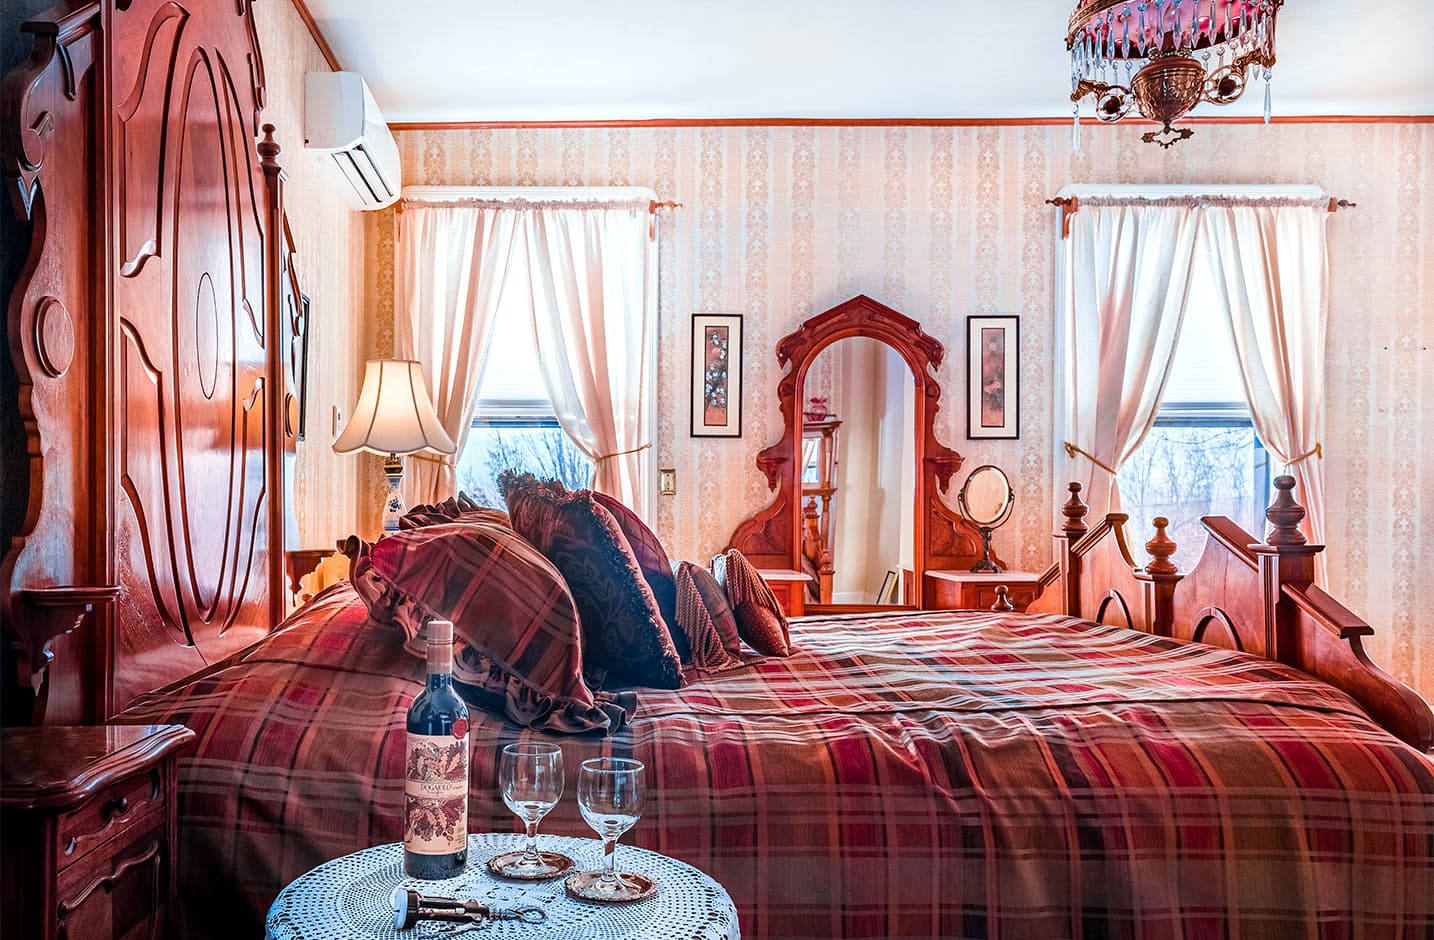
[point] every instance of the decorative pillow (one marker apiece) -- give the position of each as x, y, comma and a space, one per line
760, 620
623, 630
460, 508
517, 644
703, 615
652, 559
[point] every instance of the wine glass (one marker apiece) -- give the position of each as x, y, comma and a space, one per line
531, 777
610, 797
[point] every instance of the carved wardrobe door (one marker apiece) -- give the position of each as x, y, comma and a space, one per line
187, 446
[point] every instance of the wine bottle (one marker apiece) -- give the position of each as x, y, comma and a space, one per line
435, 817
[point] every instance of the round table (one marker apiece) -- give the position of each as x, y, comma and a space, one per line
348, 898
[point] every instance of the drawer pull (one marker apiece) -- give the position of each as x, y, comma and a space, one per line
116, 807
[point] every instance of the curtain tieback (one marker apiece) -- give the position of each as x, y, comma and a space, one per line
1317, 452
620, 453
597, 461
1072, 450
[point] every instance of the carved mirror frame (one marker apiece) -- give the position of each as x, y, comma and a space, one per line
771, 538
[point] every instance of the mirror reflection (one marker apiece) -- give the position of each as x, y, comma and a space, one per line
859, 474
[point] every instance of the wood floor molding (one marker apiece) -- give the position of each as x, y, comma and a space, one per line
324, 48
888, 122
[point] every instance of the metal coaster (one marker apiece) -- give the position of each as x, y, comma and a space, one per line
557, 861
584, 886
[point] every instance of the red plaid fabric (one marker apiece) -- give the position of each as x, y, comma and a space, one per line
759, 616
900, 775
515, 628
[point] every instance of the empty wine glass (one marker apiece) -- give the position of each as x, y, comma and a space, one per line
531, 778
610, 796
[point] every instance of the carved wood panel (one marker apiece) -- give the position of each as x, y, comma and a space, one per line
190, 461
152, 351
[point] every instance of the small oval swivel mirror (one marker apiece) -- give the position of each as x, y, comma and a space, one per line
986, 499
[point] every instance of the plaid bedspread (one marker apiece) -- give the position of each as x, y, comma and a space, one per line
901, 775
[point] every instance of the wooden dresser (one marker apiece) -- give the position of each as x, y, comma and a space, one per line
89, 820
968, 590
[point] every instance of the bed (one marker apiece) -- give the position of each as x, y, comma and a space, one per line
1151, 753
902, 775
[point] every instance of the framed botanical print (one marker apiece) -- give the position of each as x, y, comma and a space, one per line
993, 377
717, 375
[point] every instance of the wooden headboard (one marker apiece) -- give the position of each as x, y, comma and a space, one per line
151, 330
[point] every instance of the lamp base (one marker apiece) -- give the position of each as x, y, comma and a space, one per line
393, 507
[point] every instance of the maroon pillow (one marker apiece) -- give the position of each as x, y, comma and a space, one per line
460, 508
652, 559
759, 617
517, 644
623, 630
703, 615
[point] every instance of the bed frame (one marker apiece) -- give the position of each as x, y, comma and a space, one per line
153, 332
1258, 597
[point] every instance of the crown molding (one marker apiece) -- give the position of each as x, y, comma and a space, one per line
325, 49
891, 122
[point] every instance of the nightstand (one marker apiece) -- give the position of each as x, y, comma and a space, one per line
89, 821
973, 590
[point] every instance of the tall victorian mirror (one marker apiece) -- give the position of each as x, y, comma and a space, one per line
857, 514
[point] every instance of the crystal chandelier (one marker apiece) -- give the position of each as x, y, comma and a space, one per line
1163, 57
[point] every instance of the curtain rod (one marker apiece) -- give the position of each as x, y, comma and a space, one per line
1070, 205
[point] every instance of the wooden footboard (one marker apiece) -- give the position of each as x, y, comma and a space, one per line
1258, 597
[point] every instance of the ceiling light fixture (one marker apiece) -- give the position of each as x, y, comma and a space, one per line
1163, 57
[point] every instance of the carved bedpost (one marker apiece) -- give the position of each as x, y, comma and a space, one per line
1072, 529
1159, 579
278, 466
1284, 558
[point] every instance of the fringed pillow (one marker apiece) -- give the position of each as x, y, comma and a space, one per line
706, 619
759, 617
624, 634
652, 559
517, 643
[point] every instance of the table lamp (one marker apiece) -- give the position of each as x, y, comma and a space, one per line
394, 416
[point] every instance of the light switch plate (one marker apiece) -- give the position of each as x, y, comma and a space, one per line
338, 421
667, 482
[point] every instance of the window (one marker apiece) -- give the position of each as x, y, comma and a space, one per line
1202, 457
514, 427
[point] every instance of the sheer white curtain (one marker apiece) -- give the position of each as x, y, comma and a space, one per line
451, 265
593, 272
1271, 270
1126, 274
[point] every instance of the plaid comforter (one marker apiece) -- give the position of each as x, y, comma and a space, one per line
901, 775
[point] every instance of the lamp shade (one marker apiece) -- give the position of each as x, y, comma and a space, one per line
394, 414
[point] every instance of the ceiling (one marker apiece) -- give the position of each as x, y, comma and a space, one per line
591, 60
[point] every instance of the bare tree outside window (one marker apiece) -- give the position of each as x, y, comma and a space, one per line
544, 450
1184, 472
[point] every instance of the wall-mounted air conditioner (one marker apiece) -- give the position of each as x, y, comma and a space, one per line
342, 120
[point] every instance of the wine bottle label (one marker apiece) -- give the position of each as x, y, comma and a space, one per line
435, 819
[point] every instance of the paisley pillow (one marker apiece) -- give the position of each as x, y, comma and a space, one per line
652, 559
625, 639
517, 642
760, 620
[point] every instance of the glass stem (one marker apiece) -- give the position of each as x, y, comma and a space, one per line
530, 851
609, 859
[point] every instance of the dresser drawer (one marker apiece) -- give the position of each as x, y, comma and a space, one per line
984, 595
112, 812
121, 892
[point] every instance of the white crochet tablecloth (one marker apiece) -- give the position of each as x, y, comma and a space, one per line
348, 898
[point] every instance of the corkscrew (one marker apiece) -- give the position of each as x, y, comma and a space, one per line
410, 907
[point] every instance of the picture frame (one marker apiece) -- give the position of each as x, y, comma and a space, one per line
716, 375
889, 586
993, 377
